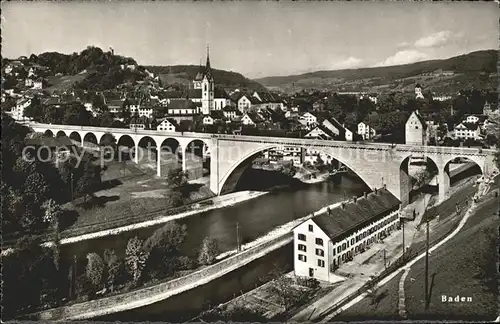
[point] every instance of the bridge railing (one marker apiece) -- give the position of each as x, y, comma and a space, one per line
274, 140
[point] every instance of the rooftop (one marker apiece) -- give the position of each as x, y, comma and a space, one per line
344, 221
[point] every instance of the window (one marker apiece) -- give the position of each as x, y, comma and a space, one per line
302, 237
302, 247
321, 263
319, 241
416, 127
310, 228
352, 241
320, 252
343, 246
302, 258
338, 249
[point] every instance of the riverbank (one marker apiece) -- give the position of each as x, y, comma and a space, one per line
277, 232
150, 295
218, 202
229, 261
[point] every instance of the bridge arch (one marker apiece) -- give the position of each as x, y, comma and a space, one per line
126, 147
251, 155
60, 133
170, 156
412, 173
196, 158
76, 137
48, 133
147, 151
91, 138
472, 158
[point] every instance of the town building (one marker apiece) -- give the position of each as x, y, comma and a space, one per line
467, 131
17, 111
204, 91
366, 131
327, 240
183, 109
349, 136
441, 97
167, 125
251, 119
320, 132
247, 103
418, 92
231, 113
415, 129
307, 119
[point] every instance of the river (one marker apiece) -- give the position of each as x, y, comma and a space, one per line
254, 217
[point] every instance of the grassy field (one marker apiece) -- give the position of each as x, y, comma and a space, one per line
129, 195
66, 82
465, 266
448, 217
383, 307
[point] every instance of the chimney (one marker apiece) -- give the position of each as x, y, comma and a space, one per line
365, 195
375, 190
354, 199
342, 205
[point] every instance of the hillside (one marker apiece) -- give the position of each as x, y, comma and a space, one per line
186, 73
476, 69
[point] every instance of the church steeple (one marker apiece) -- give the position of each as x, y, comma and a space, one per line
208, 58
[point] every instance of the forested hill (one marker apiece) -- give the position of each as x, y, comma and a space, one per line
475, 69
186, 73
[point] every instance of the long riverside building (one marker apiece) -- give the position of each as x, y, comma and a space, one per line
327, 240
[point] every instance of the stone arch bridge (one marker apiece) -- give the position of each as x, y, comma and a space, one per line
377, 164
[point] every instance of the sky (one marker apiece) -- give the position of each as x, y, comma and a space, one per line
254, 38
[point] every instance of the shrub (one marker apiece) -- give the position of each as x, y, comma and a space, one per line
94, 269
208, 252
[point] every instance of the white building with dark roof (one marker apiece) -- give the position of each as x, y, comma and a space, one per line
366, 131
467, 131
167, 125
325, 241
415, 129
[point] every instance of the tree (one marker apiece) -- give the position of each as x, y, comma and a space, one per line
233, 314
163, 247
52, 211
34, 110
177, 177
135, 258
95, 269
497, 158
88, 176
125, 112
76, 114
106, 119
209, 251
282, 286
113, 266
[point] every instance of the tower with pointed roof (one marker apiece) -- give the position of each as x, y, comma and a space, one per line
207, 87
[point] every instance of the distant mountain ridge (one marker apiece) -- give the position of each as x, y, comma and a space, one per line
186, 73
473, 69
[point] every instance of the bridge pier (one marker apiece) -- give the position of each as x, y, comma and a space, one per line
158, 162
444, 182
136, 153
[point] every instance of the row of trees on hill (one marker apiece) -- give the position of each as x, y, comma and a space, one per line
33, 190
90, 58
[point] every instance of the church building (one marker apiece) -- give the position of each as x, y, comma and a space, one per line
203, 94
